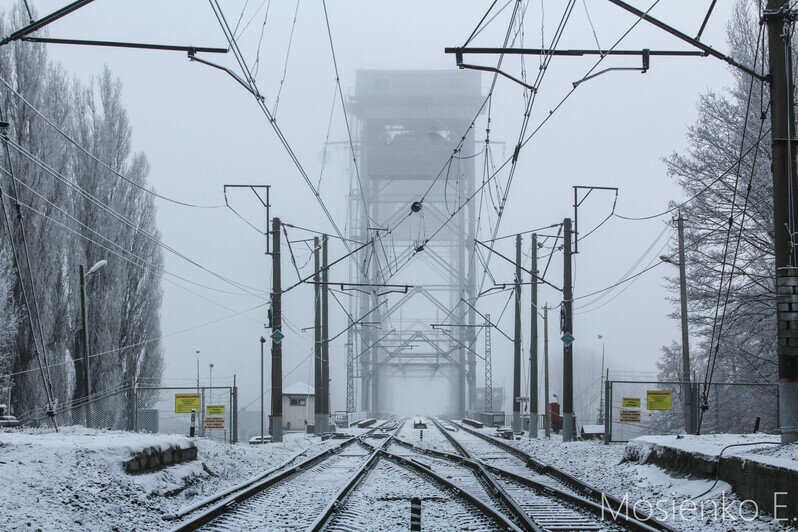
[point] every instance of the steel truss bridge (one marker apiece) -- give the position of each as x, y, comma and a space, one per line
409, 124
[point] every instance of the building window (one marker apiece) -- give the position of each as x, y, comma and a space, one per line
297, 401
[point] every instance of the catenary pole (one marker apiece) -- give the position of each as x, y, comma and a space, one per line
517, 427
569, 423
325, 338
317, 372
547, 405
533, 343
785, 208
277, 346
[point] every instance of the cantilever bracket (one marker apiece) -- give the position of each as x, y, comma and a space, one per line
193, 57
646, 65
459, 60
497, 71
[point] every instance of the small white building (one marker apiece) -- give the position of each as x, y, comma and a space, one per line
299, 403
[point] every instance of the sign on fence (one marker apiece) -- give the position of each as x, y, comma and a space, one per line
213, 423
214, 410
658, 400
185, 402
631, 402
629, 416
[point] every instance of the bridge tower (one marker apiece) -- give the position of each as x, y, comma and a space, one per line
409, 124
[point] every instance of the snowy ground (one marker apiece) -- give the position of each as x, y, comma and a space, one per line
759, 447
74, 480
603, 466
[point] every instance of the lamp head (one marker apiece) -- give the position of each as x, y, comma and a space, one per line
97, 266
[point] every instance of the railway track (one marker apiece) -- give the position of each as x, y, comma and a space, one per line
358, 485
554, 499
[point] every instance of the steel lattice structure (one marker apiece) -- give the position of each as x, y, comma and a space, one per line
410, 123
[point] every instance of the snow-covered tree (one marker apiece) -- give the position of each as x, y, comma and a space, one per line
64, 228
730, 123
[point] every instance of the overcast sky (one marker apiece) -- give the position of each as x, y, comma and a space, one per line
200, 130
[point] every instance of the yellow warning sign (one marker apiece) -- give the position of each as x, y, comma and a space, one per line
631, 402
214, 423
658, 400
214, 410
630, 416
185, 402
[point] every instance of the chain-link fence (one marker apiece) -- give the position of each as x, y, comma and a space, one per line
638, 408
109, 409
168, 410
150, 409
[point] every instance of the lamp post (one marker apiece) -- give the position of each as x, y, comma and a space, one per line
84, 319
262, 342
601, 390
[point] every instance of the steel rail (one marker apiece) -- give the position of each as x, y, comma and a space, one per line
498, 490
587, 504
329, 511
424, 469
249, 491
572, 482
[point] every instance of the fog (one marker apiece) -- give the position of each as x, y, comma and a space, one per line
201, 130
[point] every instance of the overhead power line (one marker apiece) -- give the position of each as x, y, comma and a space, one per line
92, 199
95, 158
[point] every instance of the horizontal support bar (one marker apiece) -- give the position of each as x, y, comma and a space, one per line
116, 44
576, 53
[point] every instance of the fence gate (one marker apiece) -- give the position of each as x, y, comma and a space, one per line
639, 408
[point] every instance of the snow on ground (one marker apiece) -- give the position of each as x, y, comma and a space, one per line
750, 446
74, 480
603, 467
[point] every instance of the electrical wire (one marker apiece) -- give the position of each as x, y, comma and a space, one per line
251, 83
94, 200
144, 342
85, 151
122, 253
285, 66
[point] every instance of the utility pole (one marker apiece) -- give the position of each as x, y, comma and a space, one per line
547, 405
325, 339
533, 343
569, 423
262, 343
785, 208
84, 321
687, 391
317, 371
277, 348
517, 427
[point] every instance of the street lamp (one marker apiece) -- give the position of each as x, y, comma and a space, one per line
600, 420
83, 317
198, 371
